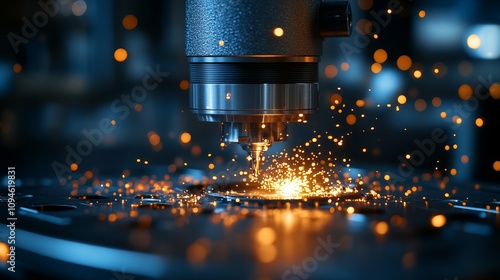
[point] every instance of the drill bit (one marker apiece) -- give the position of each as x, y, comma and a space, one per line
257, 155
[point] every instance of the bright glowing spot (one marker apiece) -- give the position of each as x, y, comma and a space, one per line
473, 41
465, 91
73, 167
404, 62
495, 91
389, 11
479, 122
113, 122
350, 119
440, 69
483, 41
417, 74
443, 114
381, 228
438, 221
4, 251
129, 22
360, 103
380, 56
120, 54
496, 165
221, 43
421, 14
453, 172
336, 99
289, 187
376, 68
350, 210
266, 236
401, 99
278, 32
211, 166
331, 71
185, 137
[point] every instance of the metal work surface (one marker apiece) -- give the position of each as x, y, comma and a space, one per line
186, 232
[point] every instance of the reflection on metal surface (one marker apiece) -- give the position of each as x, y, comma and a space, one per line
54, 207
216, 230
254, 193
92, 256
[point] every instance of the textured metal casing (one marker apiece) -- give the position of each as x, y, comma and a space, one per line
246, 27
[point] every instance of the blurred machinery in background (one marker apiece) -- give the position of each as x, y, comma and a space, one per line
117, 178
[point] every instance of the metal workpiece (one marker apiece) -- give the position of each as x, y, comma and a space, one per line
254, 64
